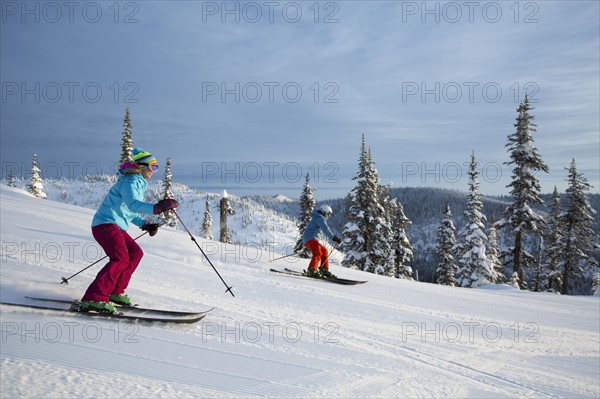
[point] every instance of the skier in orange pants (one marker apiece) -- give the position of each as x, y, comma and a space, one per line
319, 264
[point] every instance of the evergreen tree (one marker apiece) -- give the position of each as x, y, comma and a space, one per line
307, 206
514, 281
168, 217
551, 270
519, 217
36, 186
537, 276
475, 269
127, 139
366, 235
206, 229
10, 179
382, 255
578, 236
355, 244
493, 254
403, 250
596, 283
446, 240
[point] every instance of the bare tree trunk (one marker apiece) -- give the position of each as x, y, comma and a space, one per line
225, 210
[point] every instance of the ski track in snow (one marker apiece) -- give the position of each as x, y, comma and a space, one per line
281, 336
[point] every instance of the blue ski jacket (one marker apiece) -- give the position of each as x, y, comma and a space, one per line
316, 228
124, 203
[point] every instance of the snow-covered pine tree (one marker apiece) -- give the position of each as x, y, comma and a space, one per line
10, 179
382, 253
596, 283
493, 254
127, 138
551, 269
474, 268
578, 236
446, 240
206, 229
536, 275
403, 250
355, 244
35, 185
168, 217
307, 205
519, 217
514, 281
366, 235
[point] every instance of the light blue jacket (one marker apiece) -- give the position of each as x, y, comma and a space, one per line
124, 203
316, 227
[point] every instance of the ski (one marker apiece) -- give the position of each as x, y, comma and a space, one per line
336, 280
130, 309
73, 308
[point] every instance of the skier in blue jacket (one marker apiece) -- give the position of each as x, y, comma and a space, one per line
313, 233
122, 206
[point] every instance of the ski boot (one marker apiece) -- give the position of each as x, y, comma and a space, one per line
326, 273
96, 306
314, 273
121, 299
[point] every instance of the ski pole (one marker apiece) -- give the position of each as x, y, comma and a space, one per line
203, 253
66, 280
331, 253
282, 257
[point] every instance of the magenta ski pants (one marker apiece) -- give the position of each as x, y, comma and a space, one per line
124, 256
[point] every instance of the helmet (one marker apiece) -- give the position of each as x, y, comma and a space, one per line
325, 210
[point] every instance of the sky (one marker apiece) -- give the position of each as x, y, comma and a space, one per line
252, 96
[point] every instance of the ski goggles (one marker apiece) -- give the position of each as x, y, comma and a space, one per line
153, 167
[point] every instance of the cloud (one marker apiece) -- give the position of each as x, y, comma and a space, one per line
223, 84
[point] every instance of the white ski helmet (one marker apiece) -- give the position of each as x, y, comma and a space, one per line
325, 210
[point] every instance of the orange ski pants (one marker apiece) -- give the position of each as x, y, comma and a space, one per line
320, 255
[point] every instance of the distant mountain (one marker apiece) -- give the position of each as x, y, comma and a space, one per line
278, 203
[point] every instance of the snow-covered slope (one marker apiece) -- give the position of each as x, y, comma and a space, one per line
279, 336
